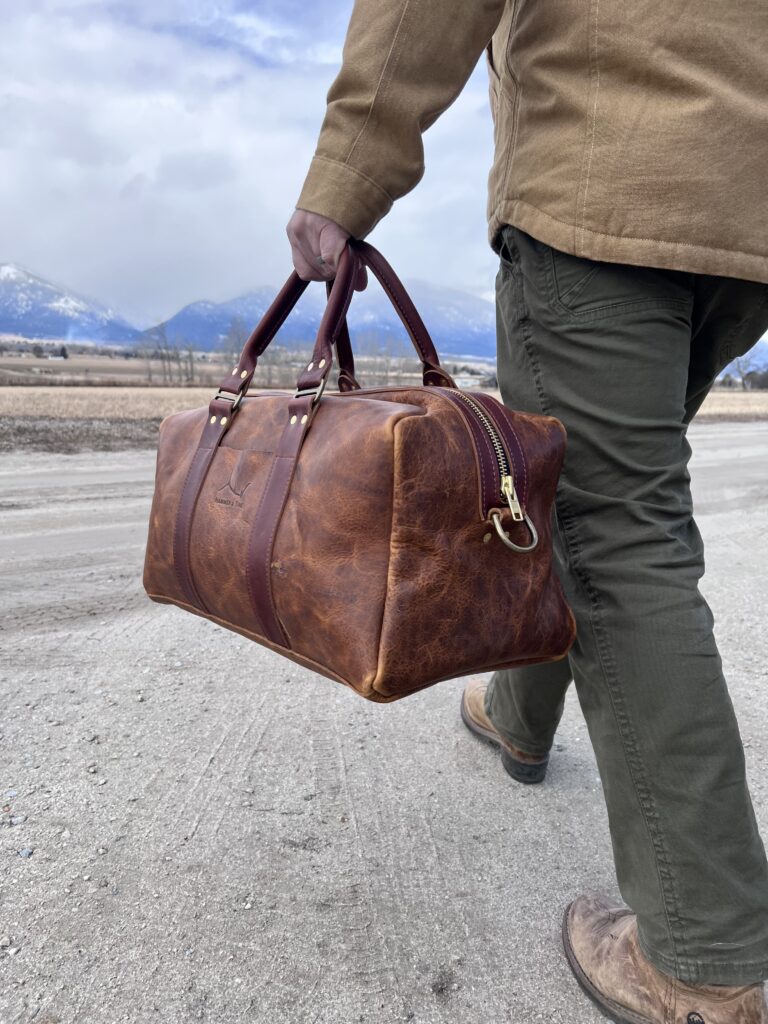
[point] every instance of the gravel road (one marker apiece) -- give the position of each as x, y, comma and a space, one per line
194, 829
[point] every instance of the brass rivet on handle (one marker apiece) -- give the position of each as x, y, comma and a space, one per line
321, 364
293, 419
213, 419
304, 418
243, 374
223, 421
487, 537
310, 366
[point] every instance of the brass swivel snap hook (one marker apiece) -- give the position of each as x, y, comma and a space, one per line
504, 536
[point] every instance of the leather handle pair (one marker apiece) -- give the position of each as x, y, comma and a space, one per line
409, 316
333, 326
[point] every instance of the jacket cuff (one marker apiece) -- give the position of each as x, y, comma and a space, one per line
338, 191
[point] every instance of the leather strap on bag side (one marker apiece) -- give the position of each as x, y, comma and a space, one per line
267, 520
220, 414
215, 427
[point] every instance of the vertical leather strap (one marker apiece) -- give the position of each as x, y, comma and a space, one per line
219, 413
267, 520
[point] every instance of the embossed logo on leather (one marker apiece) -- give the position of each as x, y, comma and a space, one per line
233, 490
695, 1018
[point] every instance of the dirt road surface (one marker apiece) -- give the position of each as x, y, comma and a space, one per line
194, 829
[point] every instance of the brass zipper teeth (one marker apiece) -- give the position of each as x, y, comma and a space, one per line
501, 455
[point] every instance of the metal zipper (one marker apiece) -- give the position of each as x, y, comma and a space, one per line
506, 473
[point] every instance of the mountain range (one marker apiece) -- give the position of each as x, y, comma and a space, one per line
462, 325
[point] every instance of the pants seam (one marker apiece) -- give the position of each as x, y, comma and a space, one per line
670, 899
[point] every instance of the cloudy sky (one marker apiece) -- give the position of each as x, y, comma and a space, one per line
151, 152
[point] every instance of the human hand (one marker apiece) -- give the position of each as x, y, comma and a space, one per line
311, 235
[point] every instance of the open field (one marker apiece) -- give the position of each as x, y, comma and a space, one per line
194, 829
94, 368
70, 419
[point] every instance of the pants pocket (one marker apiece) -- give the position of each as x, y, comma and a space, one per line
581, 289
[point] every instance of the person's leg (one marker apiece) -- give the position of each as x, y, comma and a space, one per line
525, 704
607, 349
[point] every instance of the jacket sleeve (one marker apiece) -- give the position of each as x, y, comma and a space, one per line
404, 62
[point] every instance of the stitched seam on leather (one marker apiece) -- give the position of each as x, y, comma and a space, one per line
188, 587
486, 498
607, 1001
396, 302
519, 447
670, 1001
627, 735
250, 583
270, 544
484, 490
387, 578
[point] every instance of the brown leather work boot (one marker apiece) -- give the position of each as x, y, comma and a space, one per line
521, 766
601, 945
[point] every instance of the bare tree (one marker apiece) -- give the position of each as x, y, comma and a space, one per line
232, 342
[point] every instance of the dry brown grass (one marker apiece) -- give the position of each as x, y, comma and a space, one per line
137, 403
134, 403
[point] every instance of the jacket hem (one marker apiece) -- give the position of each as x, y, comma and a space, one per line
644, 252
345, 195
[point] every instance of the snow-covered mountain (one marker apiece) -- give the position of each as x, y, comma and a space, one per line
461, 324
34, 308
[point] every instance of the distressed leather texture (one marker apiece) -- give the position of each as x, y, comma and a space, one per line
601, 942
380, 575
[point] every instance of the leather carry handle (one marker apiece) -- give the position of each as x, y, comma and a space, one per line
333, 327
432, 372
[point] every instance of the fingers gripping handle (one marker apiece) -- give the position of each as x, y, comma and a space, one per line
334, 319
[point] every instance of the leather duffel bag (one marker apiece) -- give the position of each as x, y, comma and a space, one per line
387, 537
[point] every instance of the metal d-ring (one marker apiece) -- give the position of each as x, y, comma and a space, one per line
496, 516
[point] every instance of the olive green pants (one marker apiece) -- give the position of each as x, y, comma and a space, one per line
624, 356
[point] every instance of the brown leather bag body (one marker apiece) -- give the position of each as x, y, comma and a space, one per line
387, 538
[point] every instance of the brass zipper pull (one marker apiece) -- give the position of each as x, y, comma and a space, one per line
509, 492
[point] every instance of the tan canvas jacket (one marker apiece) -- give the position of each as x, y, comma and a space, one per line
625, 130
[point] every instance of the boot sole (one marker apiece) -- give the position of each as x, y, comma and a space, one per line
613, 1011
520, 771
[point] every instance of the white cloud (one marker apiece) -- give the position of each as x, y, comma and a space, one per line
150, 155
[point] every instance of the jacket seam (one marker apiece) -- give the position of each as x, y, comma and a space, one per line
589, 141
393, 49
